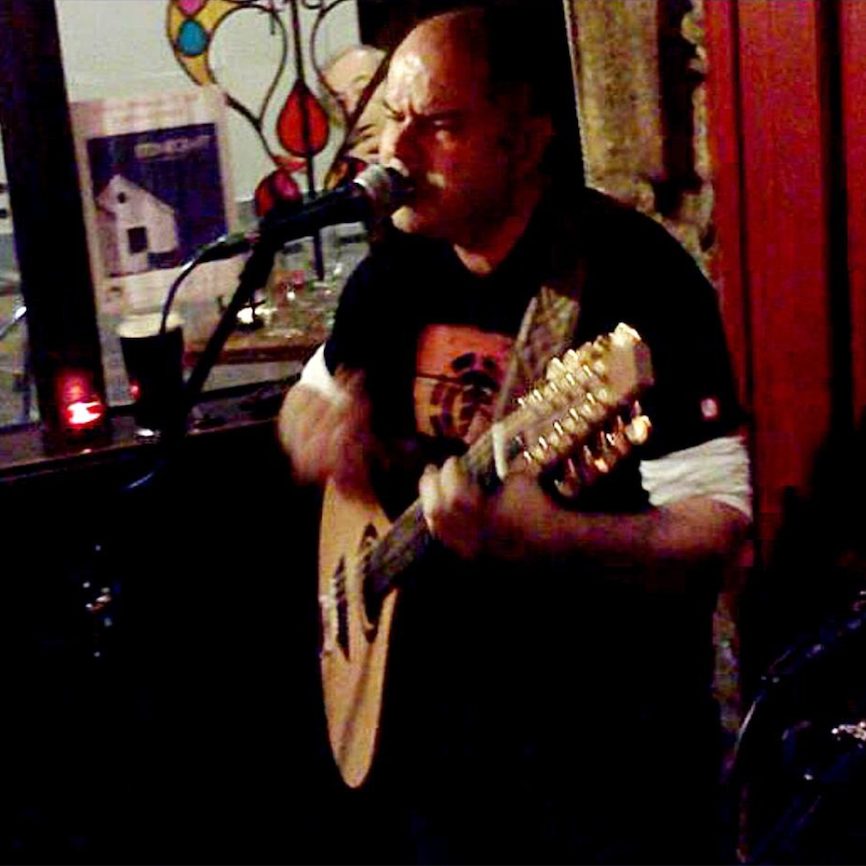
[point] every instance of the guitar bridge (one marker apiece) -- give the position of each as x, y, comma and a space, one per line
327, 624
334, 615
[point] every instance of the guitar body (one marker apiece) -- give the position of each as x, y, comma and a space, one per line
571, 420
354, 650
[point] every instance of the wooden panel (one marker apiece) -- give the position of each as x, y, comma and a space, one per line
783, 207
853, 83
724, 142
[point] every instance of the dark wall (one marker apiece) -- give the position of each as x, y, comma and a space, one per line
385, 22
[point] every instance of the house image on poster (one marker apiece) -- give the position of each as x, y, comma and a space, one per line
137, 230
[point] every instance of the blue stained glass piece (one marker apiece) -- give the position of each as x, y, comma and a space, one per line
191, 38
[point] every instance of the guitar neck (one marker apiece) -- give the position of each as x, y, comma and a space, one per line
409, 537
566, 413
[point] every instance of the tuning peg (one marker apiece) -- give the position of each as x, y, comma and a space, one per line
573, 358
588, 469
579, 363
617, 439
559, 438
569, 483
602, 458
530, 459
574, 423
553, 395
556, 368
638, 429
599, 368
540, 451
591, 409
603, 395
601, 464
625, 335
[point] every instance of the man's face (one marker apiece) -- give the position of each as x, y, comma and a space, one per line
348, 77
454, 142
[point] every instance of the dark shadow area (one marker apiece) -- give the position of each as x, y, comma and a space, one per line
197, 734
800, 767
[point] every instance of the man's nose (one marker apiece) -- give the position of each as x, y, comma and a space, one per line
402, 143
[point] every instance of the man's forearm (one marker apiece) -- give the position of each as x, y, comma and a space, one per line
692, 530
658, 547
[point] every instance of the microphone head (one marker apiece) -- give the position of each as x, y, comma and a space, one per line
386, 189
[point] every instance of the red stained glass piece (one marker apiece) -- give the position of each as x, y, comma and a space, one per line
263, 198
290, 125
277, 186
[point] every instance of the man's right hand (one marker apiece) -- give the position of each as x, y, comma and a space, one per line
329, 437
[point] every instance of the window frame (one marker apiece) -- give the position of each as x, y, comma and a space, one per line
49, 231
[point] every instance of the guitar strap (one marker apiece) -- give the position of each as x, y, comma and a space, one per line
546, 331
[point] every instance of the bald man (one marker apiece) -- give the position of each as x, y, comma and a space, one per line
551, 660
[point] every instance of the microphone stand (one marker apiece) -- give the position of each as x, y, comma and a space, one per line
121, 644
102, 586
375, 188
253, 276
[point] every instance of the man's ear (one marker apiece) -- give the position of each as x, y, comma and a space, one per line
530, 138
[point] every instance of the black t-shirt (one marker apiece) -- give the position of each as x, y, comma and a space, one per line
433, 338
433, 341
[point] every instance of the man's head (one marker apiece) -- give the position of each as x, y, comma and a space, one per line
347, 76
468, 117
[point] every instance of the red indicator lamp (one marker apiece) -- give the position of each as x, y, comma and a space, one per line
81, 407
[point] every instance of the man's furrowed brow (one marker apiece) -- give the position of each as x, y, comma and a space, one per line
430, 115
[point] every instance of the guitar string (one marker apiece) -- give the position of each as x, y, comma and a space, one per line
385, 560
409, 533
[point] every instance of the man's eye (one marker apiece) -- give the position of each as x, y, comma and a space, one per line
445, 123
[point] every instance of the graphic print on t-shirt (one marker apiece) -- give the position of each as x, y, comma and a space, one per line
458, 373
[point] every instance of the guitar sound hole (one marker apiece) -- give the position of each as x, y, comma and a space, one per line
370, 591
372, 604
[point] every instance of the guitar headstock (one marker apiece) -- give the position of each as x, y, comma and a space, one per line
585, 416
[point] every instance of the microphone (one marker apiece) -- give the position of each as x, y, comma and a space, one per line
373, 195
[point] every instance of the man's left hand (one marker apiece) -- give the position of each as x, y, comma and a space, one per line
503, 525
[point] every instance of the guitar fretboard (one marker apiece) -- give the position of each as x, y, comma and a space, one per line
409, 536
584, 392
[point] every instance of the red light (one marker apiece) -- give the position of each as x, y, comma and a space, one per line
81, 407
84, 414
134, 390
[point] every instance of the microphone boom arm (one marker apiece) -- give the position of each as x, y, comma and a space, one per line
371, 196
254, 276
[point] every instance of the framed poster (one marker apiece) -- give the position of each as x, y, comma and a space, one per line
156, 188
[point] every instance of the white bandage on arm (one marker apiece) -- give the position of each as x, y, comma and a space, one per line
316, 375
718, 469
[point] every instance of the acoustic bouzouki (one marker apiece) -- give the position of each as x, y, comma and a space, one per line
581, 419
